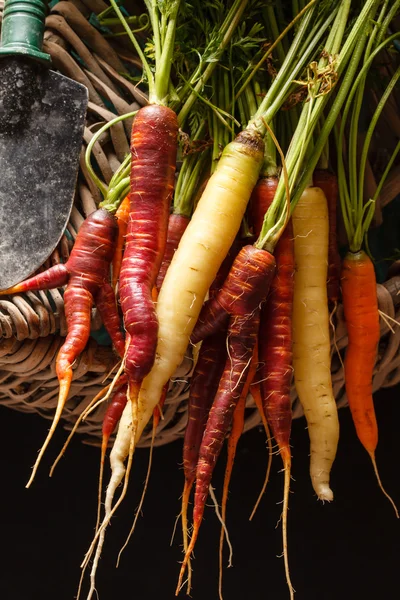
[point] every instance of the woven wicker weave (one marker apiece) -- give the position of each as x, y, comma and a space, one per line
32, 324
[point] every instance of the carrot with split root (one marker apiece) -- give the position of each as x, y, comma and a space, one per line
84, 273
244, 290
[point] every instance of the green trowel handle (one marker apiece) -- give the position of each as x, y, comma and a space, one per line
22, 29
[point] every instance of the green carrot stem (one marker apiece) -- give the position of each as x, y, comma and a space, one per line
149, 74
272, 47
364, 154
280, 90
388, 19
100, 184
163, 66
351, 53
228, 27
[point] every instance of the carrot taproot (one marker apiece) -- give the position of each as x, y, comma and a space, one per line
156, 419
234, 436
327, 181
276, 371
122, 216
311, 340
177, 224
85, 272
110, 420
361, 313
153, 152
106, 304
203, 387
244, 290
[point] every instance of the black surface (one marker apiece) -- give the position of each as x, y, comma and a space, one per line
42, 115
349, 549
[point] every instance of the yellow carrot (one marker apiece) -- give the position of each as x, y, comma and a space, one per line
311, 341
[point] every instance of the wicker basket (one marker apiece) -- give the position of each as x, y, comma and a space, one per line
32, 325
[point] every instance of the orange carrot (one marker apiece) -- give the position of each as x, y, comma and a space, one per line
122, 216
362, 319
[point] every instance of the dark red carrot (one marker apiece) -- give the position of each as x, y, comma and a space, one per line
86, 270
177, 224
203, 387
107, 306
328, 183
110, 421
122, 216
275, 343
260, 201
213, 317
54, 277
153, 150
244, 290
234, 436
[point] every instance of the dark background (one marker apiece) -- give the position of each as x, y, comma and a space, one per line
349, 549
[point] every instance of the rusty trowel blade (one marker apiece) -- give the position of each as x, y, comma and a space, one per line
40, 141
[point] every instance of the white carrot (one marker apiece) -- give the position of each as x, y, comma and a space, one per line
311, 341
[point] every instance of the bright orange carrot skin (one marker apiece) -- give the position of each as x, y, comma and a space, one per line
122, 216
153, 149
328, 183
362, 320
107, 306
176, 227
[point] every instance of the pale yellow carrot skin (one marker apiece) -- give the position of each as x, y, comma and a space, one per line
311, 336
194, 266
202, 248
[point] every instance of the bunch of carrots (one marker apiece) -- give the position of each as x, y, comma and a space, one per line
235, 256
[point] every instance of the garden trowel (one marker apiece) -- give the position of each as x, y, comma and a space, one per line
42, 116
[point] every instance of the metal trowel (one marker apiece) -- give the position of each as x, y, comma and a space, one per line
42, 117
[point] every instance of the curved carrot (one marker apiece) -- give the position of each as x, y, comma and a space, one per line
107, 306
328, 183
122, 215
177, 224
244, 290
362, 320
153, 149
86, 271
